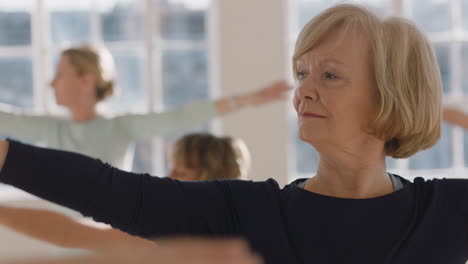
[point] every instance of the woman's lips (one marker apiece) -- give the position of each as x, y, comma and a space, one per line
311, 115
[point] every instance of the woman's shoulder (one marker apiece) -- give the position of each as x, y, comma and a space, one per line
448, 184
449, 194
269, 185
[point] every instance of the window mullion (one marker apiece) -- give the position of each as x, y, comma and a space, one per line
213, 60
154, 77
39, 54
96, 32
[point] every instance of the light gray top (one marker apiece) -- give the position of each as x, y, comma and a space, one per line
110, 139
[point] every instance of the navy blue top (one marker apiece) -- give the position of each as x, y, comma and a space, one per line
424, 222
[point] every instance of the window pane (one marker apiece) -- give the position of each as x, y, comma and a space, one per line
15, 23
185, 77
307, 9
69, 21
184, 20
16, 84
122, 20
465, 13
443, 57
130, 85
379, 7
432, 15
439, 156
464, 69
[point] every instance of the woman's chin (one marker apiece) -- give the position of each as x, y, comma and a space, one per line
311, 139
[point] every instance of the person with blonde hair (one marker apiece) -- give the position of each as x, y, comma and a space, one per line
368, 88
86, 76
205, 157
195, 157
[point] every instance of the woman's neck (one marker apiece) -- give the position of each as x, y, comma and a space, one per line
359, 175
83, 114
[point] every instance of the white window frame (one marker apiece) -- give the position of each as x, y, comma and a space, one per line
152, 45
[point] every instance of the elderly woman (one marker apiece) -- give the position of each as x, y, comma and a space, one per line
369, 88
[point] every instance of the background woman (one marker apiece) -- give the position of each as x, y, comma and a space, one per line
85, 76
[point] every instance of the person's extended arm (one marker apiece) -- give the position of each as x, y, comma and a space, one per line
193, 114
135, 203
174, 251
271, 93
455, 117
64, 231
23, 126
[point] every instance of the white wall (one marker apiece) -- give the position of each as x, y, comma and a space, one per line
252, 52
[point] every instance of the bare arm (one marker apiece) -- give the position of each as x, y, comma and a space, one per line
455, 117
64, 231
174, 251
271, 93
148, 125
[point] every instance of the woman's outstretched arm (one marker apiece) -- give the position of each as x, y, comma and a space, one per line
138, 204
21, 125
148, 125
456, 117
268, 94
174, 251
64, 231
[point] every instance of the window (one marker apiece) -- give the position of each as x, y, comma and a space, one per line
159, 46
16, 59
447, 28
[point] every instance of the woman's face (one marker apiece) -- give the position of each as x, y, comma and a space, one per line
336, 97
183, 173
66, 83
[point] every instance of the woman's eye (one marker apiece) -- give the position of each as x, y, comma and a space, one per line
330, 76
301, 75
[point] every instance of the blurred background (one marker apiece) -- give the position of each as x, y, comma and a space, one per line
170, 52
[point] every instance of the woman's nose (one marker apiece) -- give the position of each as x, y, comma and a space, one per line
307, 91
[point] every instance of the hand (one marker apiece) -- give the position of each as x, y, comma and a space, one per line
273, 92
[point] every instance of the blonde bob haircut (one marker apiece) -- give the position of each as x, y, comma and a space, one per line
89, 59
406, 74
